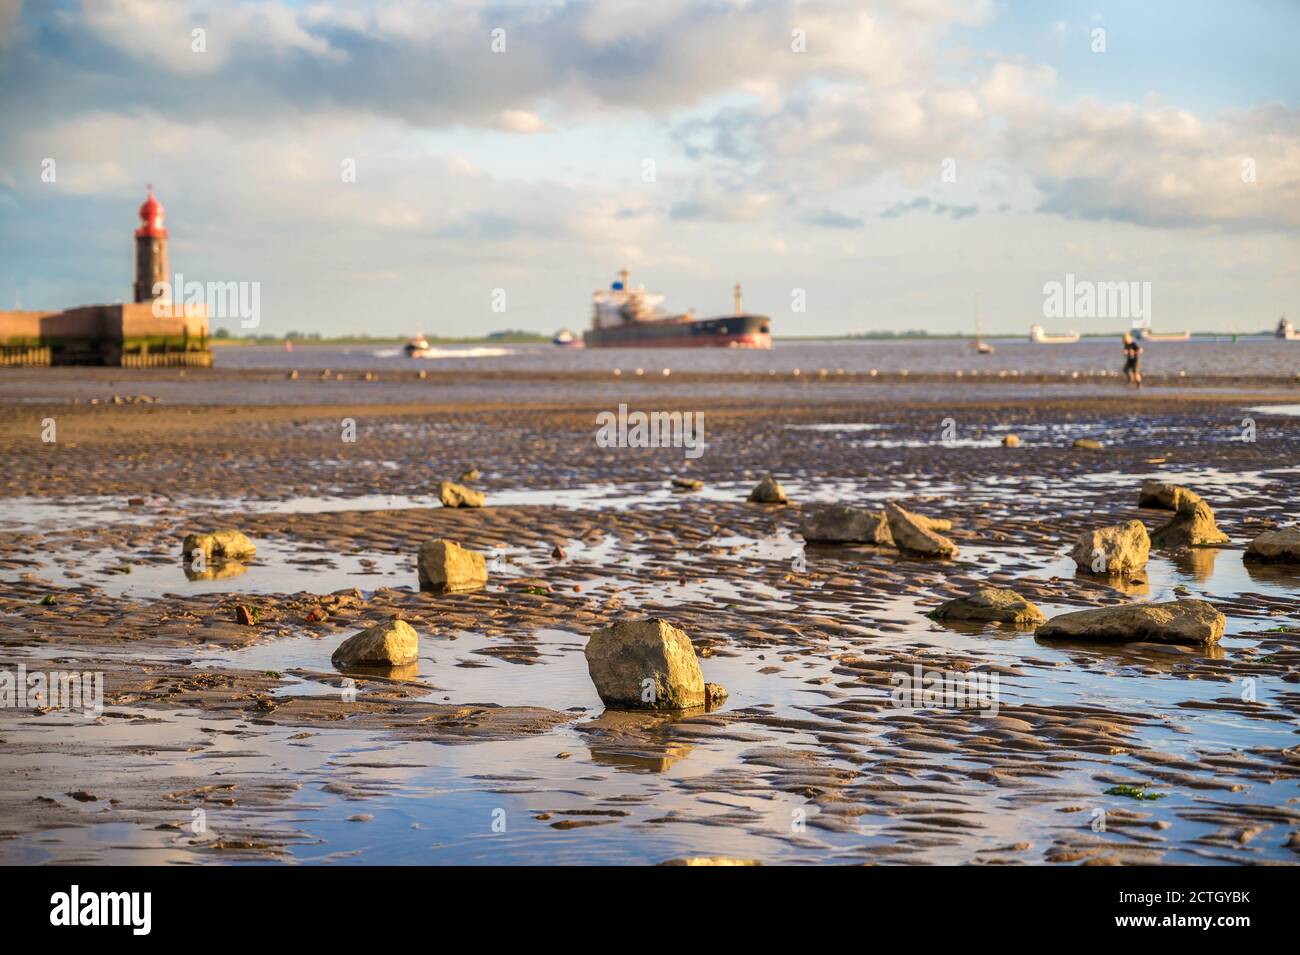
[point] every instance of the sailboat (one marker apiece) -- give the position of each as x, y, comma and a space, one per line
981, 346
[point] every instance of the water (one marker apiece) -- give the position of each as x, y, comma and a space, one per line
1253, 356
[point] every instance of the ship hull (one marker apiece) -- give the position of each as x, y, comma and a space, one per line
732, 331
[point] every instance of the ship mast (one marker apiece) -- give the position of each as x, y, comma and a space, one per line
740, 308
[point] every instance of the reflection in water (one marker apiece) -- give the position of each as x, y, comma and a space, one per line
1138, 586
1161, 656
633, 741
1196, 562
406, 673
218, 571
1279, 575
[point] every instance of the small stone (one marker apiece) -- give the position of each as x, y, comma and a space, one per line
244, 616
456, 495
1279, 546
1011, 441
1187, 622
841, 524
993, 604
1120, 550
686, 484
446, 567
391, 644
219, 545
470, 475
769, 491
557, 552
714, 693
913, 536
1192, 526
710, 860
1164, 496
1088, 444
645, 664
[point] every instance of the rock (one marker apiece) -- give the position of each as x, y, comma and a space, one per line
445, 567
940, 525
456, 495
623, 657
391, 644
244, 616
219, 545
714, 693
996, 604
469, 476
1190, 622
840, 524
1117, 551
1279, 546
1163, 496
1087, 444
769, 491
1011, 441
710, 860
1192, 526
557, 553
687, 484
913, 536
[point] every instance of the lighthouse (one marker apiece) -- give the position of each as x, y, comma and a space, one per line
150, 249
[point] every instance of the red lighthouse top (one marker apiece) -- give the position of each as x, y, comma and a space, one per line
151, 214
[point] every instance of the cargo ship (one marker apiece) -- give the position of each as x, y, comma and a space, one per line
626, 317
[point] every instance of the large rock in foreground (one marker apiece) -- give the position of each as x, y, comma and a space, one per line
446, 567
913, 536
1165, 496
456, 495
840, 524
645, 664
992, 605
391, 644
1190, 622
1117, 551
1279, 546
1192, 526
769, 491
219, 545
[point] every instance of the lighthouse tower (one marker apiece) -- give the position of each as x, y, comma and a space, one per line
150, 249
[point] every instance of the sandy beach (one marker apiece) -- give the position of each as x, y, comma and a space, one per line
222, 741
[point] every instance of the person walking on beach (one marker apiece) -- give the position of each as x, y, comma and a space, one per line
1132, 360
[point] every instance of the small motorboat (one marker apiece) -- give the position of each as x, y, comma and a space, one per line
564, 338
418, 347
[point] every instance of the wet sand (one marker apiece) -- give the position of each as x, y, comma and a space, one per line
495, 747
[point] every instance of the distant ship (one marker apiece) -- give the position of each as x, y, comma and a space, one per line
418, 347
1147, 335
626, 317
1037, 335
1286, 331
566, 339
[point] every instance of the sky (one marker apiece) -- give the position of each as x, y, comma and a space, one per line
857, 166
